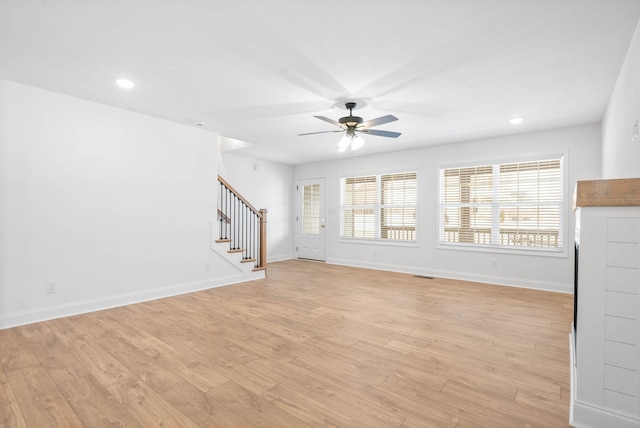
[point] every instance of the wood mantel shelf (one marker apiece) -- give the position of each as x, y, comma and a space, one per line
623, 192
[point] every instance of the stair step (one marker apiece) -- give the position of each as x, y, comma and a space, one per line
247, 260
237, 250
259, 269
219, 241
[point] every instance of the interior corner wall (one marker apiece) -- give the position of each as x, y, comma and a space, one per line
582, 146
114, 206
620, 137
267, 185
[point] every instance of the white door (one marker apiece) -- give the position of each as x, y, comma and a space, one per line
310, 225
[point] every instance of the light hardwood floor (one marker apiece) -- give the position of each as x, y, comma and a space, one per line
311, 345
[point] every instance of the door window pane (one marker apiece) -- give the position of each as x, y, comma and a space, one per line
311, 209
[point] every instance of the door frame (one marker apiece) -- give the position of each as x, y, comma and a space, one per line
300, 183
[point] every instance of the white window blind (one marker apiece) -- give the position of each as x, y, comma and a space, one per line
398, 194
311, 209
359, 201
379, 206
513, 205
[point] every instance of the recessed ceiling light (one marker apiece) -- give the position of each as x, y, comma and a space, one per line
516, 120
126, 84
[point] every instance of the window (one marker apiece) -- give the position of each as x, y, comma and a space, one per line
379, 207
311, 209
508, 205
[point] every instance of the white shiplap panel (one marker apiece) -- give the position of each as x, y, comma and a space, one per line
620, 354
623, 280
620, 380
620, 402
620, 330
623, 230
622, 254
621, 305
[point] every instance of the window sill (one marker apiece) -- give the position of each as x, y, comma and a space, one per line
370, 241
542, 252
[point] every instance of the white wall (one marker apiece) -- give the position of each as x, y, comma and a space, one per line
621, 155
582, 146
266, 185
115, 206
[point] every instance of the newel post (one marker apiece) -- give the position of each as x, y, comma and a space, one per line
263, 238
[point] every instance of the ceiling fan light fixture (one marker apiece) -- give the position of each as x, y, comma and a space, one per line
344, 143
357, 142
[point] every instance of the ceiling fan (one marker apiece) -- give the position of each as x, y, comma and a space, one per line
353, 125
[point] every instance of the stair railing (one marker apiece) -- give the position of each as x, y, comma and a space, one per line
242, 225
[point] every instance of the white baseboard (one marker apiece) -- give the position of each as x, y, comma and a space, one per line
280, 258
463, 276
585, 415
15, 319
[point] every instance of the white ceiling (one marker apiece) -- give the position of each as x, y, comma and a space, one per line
258, 71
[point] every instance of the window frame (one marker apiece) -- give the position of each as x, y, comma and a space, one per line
377, 208
561, 251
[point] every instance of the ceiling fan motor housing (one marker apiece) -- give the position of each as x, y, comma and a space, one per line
351, 120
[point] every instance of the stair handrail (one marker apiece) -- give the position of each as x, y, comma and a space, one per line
238, 195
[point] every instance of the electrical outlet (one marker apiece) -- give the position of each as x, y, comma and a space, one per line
494, 264
207, 266
50, 286
634, 131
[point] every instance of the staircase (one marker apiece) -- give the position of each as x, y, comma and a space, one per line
241, 235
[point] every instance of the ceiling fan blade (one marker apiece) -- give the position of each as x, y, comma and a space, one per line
389, 134
379, 121
320, 132
331, 121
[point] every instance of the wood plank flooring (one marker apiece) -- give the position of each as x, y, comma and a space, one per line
311, 345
